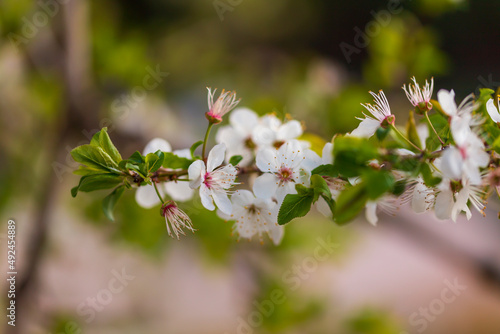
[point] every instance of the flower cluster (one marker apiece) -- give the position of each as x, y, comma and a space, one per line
262, 173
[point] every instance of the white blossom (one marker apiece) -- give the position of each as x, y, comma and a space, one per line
379, 113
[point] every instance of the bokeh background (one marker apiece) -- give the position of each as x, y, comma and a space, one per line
69, 67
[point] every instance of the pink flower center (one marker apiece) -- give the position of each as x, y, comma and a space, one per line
208, 180
285, 175
463, 152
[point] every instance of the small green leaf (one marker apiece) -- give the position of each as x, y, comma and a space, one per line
175, 162
325, 170
96, 182
137, 158
377, 183
101, 139
349, 203
320, 187
154, 161
294, 206
351, 155
382, 133
109, 202
442, 127
429, 179
235, 159
195, 146
94, 157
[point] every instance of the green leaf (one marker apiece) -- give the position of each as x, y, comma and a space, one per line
325, 170
320, 187
429, 179
195, 146
411, 130
94, 157
109, 202
351, 155
154, 161
96, 182
350, 202
294, 206
84, 170
235, 159
442, 128
382, 133
175, 162
137, 158
101, 139
377, 183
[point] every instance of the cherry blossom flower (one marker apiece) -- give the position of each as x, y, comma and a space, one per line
493, 110
213, 180
420, 97
224, 104
238, 136
176, 219
271, 132
379, 115
146, 195
282, 170
461, 116
254, 216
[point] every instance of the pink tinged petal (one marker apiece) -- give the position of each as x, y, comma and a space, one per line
146, 196
276, 233
461, 204
222, 202
244, 120
371, 213
157, 144
327, 154
266, 160
265, 186
444, 204
452, 163
206, 199
195, 172
492, 111
366, 128
179, 191
446, 100
290, 130
242, 198
216, 157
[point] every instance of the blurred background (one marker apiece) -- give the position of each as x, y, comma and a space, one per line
70, 67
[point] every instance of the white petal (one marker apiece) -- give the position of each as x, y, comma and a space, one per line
460, 129
146, 196
419, 201
179, 191
206, 199
276, 233
222, 202
460, 204
229, 136
327, 154
283, 190
263, 136
311, 161
265, 186
290, 130
371, 212
195, 171
447, 101
444, 204
244, 120
323, 207
452, 163
242, 197
184, 153
492, 111
423, 133
155, 145
216, 157
266, 160
366, 128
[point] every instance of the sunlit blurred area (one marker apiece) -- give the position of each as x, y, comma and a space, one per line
141, 69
